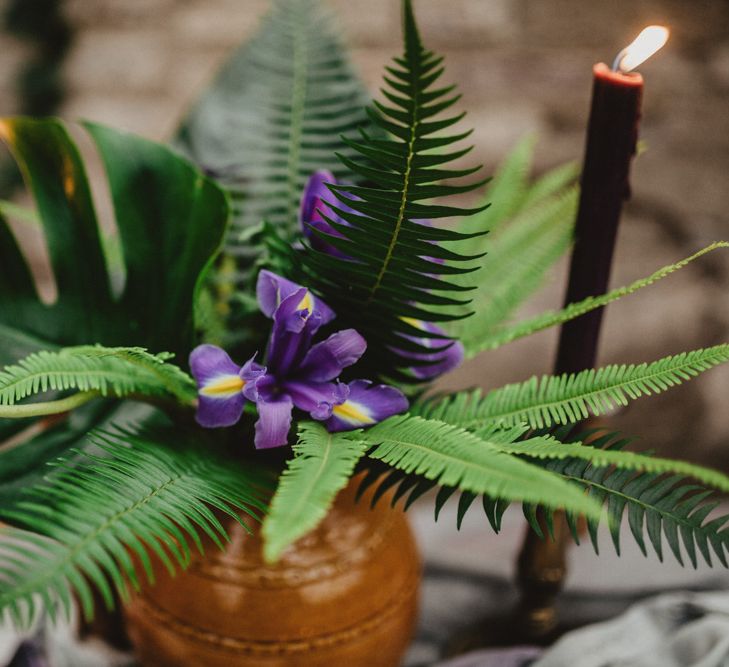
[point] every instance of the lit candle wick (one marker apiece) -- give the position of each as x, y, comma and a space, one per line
650, 40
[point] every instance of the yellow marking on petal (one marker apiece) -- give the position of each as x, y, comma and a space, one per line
353, 413
307, 302
418, 324
223, 387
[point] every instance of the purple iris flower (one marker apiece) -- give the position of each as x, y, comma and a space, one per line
304, 374
299, 374
223, 386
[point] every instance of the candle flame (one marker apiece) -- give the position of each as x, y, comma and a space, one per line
650, 40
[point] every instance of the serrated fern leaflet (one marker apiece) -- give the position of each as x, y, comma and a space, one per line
139, 498
394, 264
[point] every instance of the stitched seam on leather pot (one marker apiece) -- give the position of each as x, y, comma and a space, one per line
264, 577
286, 647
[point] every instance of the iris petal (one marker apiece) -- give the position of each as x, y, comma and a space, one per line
445, 357
316, 398
326, 360
272, 290
274, 421
366, 404
210, 362
222, 385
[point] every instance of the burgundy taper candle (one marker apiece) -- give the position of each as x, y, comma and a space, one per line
612, 134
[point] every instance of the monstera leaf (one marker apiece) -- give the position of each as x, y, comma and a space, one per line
170, 220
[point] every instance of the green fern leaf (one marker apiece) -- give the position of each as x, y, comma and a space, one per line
656, 492
321, 467
510, 333
552, 449
505, 195
530, 227
272, 117
519, 258
453, 457
657, 505
117, 371
139, 497
390, 274
567, 399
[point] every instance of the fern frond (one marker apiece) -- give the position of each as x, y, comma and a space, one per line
552, 449
389, 267
454, 457
656, 504
321, 467
658, 494
272, 117
138, 497
530, 227
510, 333
519, 257
505, 195
116, 371
568, 399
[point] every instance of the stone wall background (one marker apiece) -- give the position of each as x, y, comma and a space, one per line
523, 66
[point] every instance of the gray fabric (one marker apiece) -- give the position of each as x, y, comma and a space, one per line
672, 630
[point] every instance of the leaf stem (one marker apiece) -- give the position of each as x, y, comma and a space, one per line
48, 407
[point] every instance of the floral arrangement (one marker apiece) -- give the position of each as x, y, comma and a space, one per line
300, 271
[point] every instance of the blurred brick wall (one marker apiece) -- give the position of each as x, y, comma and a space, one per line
523, 65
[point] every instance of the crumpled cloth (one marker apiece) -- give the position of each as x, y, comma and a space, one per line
671, 630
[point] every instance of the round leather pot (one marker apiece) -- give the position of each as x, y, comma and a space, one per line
346, 594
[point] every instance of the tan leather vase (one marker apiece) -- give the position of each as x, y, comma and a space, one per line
343, 596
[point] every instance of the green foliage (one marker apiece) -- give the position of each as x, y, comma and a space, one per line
136, 499
519, 254
452, 456
272, 117
512, 332
552, 449
170, 218
530, 227
170, 221
657, 493
321, 467
658, 505
117, 371
391, 275
571, 398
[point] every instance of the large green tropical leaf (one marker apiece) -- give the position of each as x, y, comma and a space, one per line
140, 498
570, 398
390, 269
321, 467
170, 219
